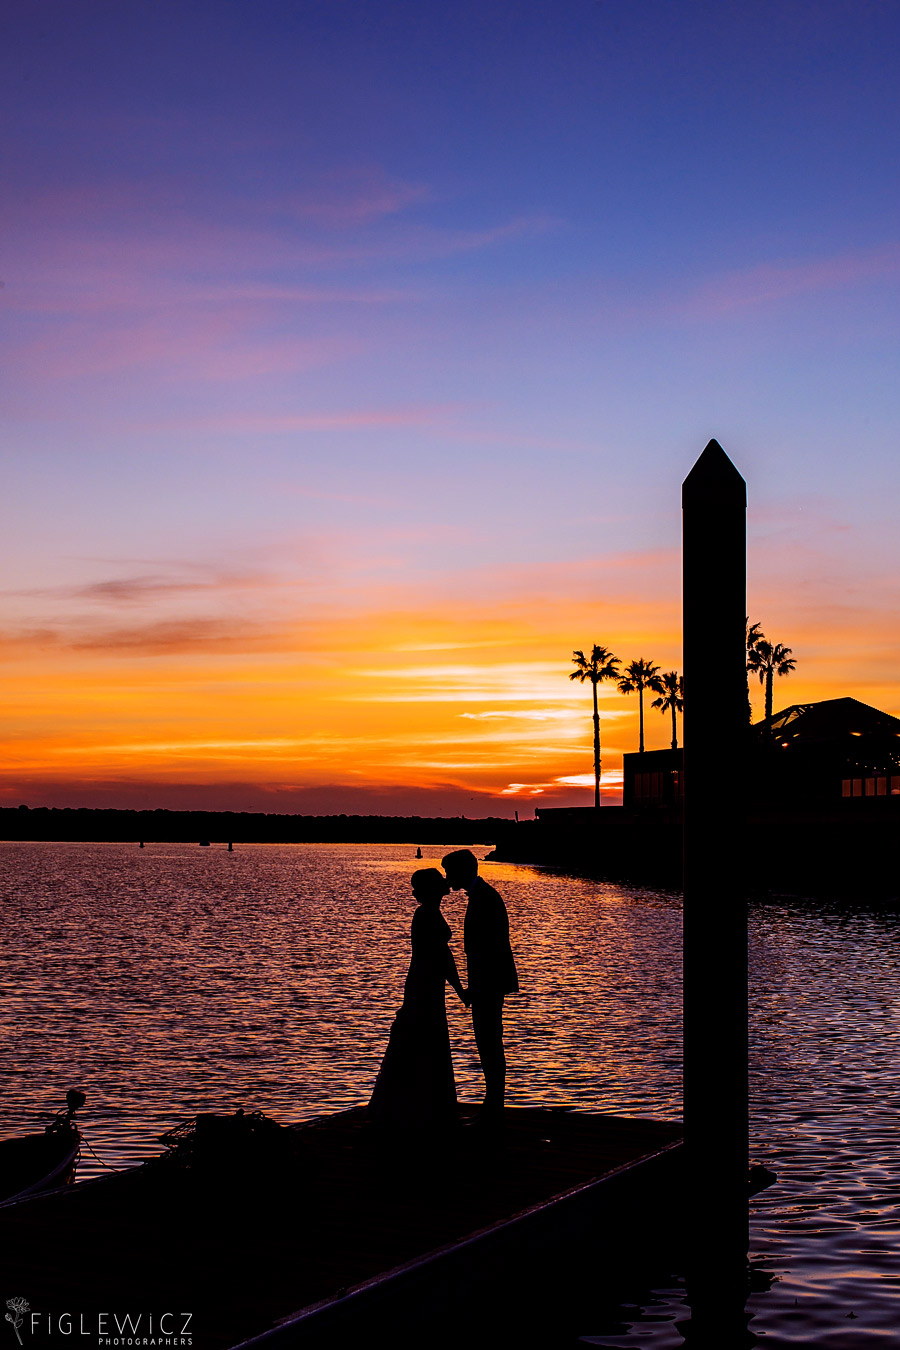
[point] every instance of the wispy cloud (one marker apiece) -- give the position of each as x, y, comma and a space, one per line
163, 637
175, 636
100, 289
772, 282
511, 682
449, 646
137, 244
430, 636
184, 346
610, 778
352, 197
342, 420
192, 300
266, 292
150, 588
282, 747
610, 785
570, 715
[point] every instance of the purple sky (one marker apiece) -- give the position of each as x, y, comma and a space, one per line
325, 321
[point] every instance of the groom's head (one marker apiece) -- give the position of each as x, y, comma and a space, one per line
461, 868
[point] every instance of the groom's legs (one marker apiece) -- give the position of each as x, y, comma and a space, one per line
487, 1023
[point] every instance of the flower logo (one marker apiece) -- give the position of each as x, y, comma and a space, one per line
17, 1306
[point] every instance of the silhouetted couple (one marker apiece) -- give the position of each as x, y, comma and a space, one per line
415, 1085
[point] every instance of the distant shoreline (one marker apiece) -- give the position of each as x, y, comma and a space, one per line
68, 824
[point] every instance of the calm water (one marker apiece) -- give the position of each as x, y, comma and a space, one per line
177, 979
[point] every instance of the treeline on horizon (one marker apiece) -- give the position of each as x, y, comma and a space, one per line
112, 825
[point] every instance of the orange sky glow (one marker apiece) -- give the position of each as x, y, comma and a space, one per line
379, 709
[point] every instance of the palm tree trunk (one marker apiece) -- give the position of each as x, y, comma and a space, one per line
596, 747
641, 707
770, 680
674, 730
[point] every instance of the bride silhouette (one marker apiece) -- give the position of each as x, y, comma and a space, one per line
415, 1085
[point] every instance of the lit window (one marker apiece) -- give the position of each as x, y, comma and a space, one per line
895, 785
882, 787
857, 787
846, 787
870, 787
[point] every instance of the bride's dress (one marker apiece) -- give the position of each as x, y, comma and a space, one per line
415, 1084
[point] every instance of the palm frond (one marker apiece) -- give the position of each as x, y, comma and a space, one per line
755, 634
671, 693
639, 675
601, 665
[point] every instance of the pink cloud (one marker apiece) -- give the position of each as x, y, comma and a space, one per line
90, 291
414, 415
522, 440
150, 587
774, 281
355, 197
444, 243
163, 637
304, 295
201, 346
113, 239
171, 636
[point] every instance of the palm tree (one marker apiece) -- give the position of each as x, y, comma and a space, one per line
601, 665
769, 659
640, 675
672, 696
754, 634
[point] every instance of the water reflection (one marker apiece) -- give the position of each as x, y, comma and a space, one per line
171, 980
175, 979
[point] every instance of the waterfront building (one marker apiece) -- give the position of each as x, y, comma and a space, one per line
821, 793
807, 754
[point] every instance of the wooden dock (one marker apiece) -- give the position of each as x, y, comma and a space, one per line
361, 1233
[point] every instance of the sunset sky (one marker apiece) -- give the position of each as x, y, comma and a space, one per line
354, 353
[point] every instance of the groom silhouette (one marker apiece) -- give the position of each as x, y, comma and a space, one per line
491, 972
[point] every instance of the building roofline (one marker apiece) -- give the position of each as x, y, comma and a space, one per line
801, 708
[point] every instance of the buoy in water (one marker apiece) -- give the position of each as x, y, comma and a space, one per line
418, 852
141, 844
230, 846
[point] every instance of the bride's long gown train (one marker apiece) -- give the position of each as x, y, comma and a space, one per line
415, 1085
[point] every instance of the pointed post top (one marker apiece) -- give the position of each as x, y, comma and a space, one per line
714, 480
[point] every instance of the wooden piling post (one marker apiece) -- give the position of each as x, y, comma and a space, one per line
714, 501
